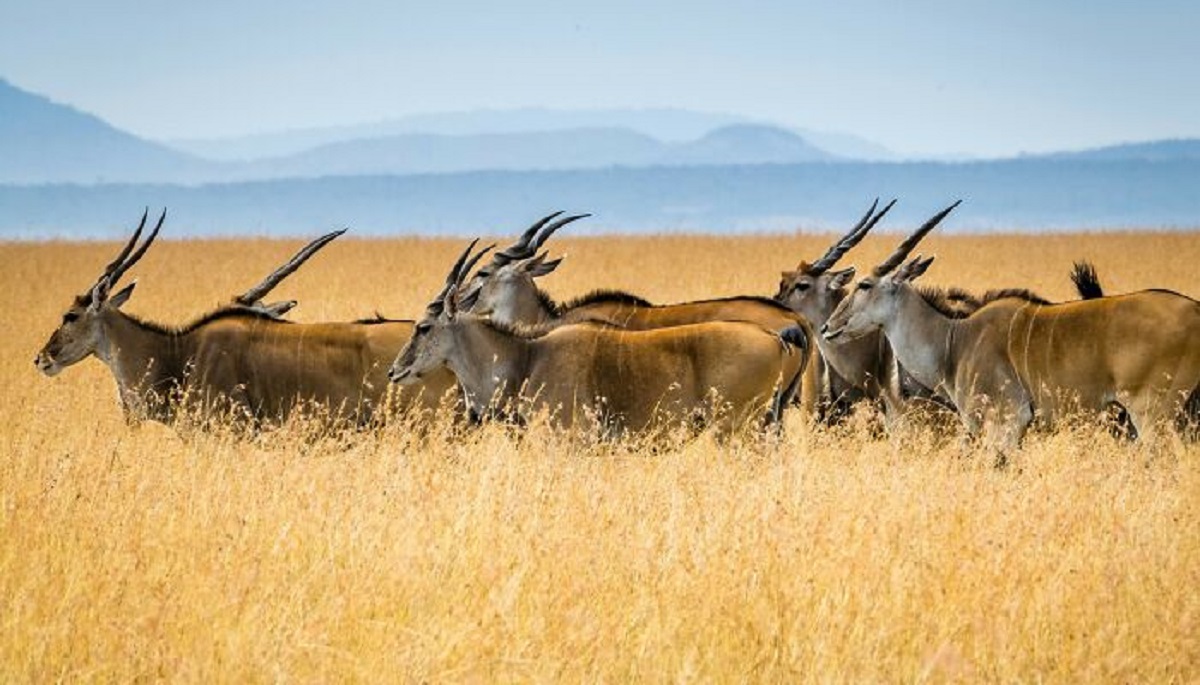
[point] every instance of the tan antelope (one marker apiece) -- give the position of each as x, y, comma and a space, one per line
1087, 284
1013, 360
595, 374
239, 358
505, 291
854, 370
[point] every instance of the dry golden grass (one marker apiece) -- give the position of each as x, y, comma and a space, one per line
141, 554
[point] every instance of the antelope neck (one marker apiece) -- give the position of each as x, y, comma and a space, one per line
921, 338
490, 363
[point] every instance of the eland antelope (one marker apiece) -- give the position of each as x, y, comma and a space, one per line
863, 368
594, 373
240, 357
505, 291
1013, 360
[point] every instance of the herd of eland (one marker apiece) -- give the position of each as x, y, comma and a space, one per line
493, 345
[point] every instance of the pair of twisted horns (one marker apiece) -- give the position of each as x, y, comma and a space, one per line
533, 238
458, 273
526, 247
128, 256
902, 251
854, 237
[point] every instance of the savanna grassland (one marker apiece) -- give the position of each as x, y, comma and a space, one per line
143, 553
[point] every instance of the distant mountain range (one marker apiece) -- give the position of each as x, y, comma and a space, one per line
667, 125
46, 142
67, 173
585, 148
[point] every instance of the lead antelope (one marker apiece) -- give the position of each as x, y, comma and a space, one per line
595, 374
240, 357
505, 291
1013, 360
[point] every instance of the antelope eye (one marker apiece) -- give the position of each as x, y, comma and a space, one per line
864, 285
483, 273
424, 327
69, 317
803, 286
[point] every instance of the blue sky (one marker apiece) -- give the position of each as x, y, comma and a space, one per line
921, 77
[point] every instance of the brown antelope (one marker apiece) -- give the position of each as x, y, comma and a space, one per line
593, 373
1087, 283
239, 358
505, 291
1013, 360
853, 371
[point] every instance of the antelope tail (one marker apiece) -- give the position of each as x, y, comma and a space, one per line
1087, 283
794, 337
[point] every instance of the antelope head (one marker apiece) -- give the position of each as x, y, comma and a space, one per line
432, 343
81, 333
815, 290
504, 288
875, 299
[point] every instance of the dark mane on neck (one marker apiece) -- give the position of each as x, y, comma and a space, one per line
603, 297
548, 303
379, 318
534, 331
769, 301
226, 312
523, 331
621, 297
1015, 293
955, 303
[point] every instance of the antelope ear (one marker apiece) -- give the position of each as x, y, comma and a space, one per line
840, 279
538, 266
914, 268
122, 295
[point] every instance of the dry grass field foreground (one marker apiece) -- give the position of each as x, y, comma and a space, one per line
134, 554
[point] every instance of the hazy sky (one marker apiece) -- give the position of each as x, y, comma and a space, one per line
968, 76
